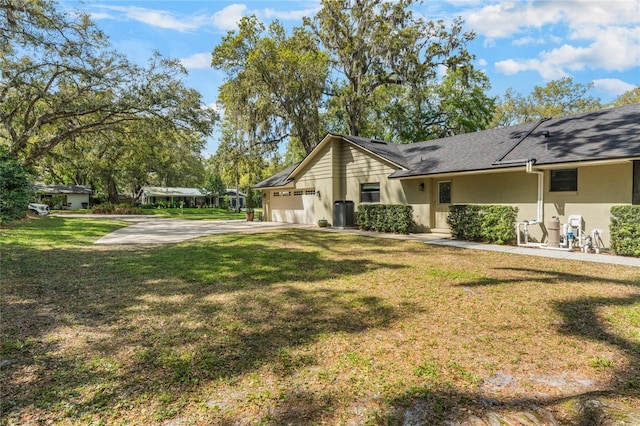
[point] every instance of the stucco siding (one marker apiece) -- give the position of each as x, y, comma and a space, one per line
599, 188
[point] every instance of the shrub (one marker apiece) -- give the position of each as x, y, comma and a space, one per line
498, 224
625, 230
15, 189
108, 208
385, 218
490, 223
464, 222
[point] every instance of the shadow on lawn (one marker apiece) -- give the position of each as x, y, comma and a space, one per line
581, 319
89, 330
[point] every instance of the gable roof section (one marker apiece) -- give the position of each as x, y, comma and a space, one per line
383, 150
461, 153
279, 179
609, 134
63, 189
599, 135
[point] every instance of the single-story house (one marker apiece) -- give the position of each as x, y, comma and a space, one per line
69, 196
230, 194
191, 197
581, 164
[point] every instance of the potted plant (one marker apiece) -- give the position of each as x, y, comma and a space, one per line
323, 223
250, 210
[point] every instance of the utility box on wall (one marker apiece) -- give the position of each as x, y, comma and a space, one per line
343, 216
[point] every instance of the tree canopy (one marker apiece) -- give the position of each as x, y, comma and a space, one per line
362, 67
556, 98
80, 112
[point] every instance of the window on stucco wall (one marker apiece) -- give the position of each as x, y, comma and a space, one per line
564, 180
370, 192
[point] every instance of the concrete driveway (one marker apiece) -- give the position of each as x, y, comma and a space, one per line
162, 231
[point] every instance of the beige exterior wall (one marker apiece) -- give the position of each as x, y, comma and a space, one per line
338, 169
356, 167
599, 188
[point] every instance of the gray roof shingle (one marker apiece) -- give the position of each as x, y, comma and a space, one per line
599, 135
279, 179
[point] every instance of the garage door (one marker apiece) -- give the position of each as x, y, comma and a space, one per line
294, 206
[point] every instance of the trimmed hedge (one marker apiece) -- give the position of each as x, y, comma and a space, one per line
108, 208
625, 230
394, 218
490, 223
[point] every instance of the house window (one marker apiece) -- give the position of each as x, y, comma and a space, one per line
564, 180
276, 194
370, 193
309, 192
286, 193
298, 193
444, 192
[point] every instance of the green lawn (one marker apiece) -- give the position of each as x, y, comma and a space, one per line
303, 327
195, 214
191, 214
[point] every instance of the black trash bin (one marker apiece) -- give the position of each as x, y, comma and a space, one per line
343, 214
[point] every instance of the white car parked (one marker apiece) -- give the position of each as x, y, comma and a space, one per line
39, 209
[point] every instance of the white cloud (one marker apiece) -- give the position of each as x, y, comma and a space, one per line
157, 18
548, 72
591, 34
612, 86
197, 61
505, 19
527, 40
482, 62
228, 18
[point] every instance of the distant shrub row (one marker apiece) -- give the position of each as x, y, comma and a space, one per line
108, 208
385, 218
625, 230
489, 223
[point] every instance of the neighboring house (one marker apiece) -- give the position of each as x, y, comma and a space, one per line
233, 198
191, 197
65, 196
576, 165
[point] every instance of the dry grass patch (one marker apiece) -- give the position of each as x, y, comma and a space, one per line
304, 327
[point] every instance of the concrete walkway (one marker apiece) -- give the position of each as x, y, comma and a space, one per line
445, 240
154, 230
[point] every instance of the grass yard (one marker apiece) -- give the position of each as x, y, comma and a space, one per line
196, 214
304, 327
175, 213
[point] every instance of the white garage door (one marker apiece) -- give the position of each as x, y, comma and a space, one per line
294, 206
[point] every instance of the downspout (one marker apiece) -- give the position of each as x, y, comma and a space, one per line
540, 173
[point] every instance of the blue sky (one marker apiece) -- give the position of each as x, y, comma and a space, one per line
519, 43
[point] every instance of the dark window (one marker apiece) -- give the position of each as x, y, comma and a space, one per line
444, 192
370, 193
564, 180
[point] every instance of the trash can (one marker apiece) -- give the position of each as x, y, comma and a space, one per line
343, 214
